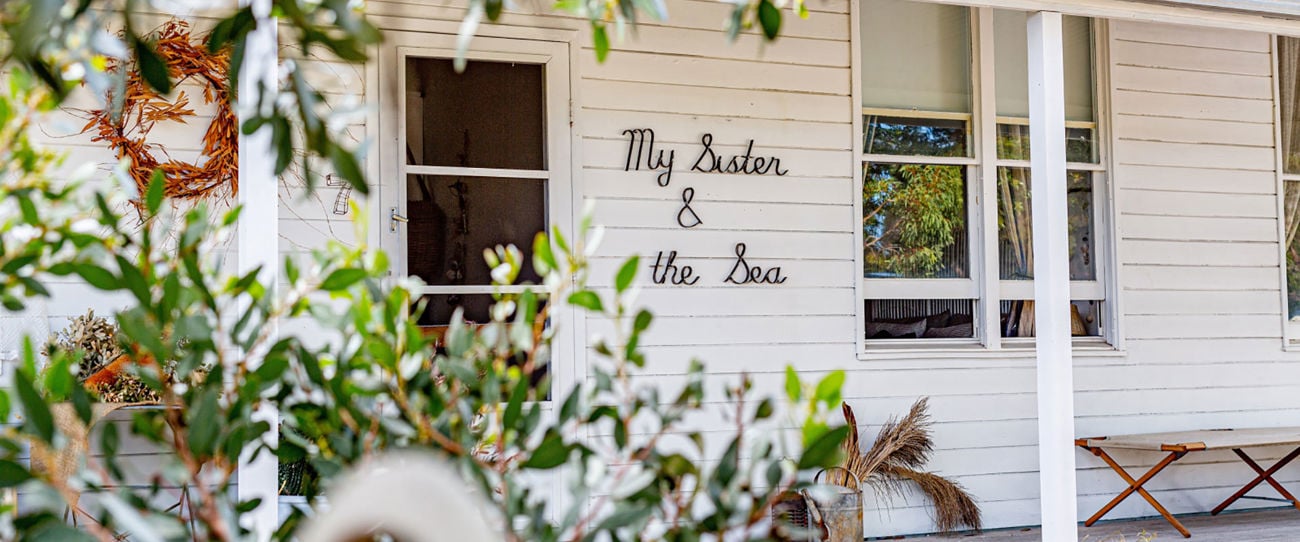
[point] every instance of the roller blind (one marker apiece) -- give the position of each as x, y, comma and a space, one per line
1011, 65
916, 56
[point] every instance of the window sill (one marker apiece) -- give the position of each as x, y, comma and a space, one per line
1019, 349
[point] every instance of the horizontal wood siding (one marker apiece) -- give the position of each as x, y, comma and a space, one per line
792, 98
1196, 205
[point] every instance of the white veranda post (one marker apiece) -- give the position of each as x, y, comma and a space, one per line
1051, 277
259, 238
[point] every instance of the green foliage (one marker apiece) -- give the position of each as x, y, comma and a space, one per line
381, 385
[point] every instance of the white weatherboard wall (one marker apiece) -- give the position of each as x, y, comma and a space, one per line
1196, 199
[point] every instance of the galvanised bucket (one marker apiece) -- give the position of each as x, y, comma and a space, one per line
838, 509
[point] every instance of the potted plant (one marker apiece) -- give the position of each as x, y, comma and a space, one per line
107, 379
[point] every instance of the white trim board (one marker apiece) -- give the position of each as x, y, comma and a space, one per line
1146, 12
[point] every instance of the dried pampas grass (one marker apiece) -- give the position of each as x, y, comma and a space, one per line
895, 459
953, 507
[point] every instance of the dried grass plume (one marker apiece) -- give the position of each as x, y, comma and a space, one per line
896, 458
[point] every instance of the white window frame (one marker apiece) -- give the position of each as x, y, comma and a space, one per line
984, 286
948, 288
1290, 329
1080, 290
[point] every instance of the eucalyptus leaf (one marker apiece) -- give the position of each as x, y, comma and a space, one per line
769, 18
154, 194
626, 273
342, 278
38, 419
824, 451
551, 453
587, 299
151, 66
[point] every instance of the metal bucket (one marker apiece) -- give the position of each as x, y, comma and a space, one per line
838, 509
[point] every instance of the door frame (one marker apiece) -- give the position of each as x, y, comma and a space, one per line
386, 90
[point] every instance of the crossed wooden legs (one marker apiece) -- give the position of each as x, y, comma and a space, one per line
1136, 486
1174, 455
1264, 476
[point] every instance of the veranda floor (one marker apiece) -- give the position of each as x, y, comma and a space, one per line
1276, 525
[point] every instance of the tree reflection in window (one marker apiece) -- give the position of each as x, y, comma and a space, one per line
1015, 225
914, 136
914, 221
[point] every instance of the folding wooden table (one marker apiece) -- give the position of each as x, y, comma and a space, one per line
1180, 443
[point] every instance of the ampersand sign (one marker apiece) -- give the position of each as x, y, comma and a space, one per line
686, 217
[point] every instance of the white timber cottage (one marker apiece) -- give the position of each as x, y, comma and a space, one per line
856, 196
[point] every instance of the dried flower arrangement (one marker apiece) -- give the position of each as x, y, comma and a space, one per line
126, 131
900, 450
104, 368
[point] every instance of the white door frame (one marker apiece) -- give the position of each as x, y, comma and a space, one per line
386, 90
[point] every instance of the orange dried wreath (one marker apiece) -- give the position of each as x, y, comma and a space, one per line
143, 108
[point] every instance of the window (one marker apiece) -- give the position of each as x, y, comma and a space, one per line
1289, 92
458, 201
918, 162
939, 267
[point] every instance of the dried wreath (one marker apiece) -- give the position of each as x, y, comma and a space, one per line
142, 108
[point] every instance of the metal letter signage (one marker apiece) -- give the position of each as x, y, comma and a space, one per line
641, 153
686, 217
643, 141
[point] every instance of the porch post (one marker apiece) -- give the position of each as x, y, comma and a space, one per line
1051, 277
258, 242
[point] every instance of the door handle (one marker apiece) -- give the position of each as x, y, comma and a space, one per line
394, 218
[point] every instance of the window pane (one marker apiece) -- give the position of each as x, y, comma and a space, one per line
1015, 232
1013, 143
1289, 85
916, 55
452, 219
914, 221
920, 318
1292, 224
490, 116
914, 137
1018, 318
1011, 65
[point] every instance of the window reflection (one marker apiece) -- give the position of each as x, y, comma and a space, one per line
914, 221
914, 136
1015, 225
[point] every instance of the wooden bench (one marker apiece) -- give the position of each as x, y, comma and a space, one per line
1180, 443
